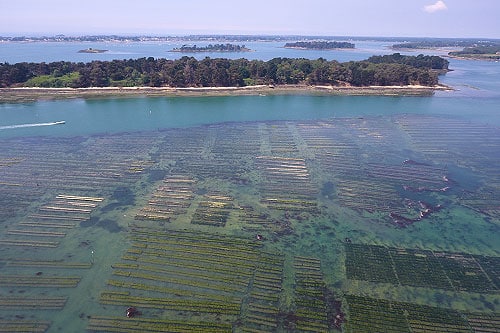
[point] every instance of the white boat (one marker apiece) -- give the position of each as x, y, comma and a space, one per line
59, 122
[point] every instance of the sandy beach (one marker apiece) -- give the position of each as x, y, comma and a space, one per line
34, 94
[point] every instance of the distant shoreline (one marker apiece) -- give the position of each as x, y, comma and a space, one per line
483, 57
209, 51
10, 95
317, 49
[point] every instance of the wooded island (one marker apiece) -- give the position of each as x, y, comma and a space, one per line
443, 43
491, 52
388, 70
471, 49
319, 45
211, 48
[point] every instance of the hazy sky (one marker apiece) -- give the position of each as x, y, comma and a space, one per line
426, 18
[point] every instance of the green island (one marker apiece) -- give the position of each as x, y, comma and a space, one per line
471, 49
211, 48
444, 43
188, 72
490, 52
319, 45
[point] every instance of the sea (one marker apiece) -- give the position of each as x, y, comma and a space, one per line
278, 213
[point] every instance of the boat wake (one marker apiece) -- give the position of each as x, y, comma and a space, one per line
32, 125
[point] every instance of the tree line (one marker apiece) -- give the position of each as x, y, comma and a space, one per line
420, 61
220, 72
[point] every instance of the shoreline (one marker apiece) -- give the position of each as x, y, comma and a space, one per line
12, 95
477, 57
318, 49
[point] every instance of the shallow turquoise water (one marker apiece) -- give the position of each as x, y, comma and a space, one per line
257, 168
87, 117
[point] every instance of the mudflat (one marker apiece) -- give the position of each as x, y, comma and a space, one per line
33, 94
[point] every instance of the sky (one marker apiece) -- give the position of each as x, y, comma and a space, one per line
398, 18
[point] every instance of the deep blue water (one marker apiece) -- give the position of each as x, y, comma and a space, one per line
13, 52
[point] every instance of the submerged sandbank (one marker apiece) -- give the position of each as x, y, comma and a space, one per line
33, 94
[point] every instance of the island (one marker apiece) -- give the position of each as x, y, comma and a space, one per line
440, 44
319, 45
211, 48
461, 48
378, 75
490, 52
91, 50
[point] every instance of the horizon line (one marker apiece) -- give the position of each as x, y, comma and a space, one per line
194, 34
